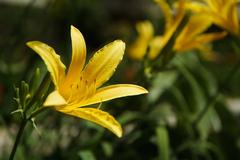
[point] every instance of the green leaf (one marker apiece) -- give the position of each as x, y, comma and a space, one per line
86, 155
201, 148
203, 75
163, 114
107, 148
128, 116
160, 83
207, 80
210, 121
181, 104
198, 100
163, 143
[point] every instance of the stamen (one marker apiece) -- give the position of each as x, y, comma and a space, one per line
99, 106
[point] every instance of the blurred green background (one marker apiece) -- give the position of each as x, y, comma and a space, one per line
156, 126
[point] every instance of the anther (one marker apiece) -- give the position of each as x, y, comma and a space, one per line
99, 106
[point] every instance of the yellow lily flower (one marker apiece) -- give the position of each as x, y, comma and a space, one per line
172, 22
145, 33
191, 37
80, 86
223, 13
145, 29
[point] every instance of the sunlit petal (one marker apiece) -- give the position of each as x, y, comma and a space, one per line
78, 55
51, 59
54, 99
97, 116
104, 62
112, 92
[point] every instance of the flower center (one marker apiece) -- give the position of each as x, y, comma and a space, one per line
81, 90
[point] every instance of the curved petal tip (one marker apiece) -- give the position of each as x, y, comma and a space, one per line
121, 44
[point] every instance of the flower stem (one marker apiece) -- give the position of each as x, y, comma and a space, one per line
36, 112
21, 129
19, 135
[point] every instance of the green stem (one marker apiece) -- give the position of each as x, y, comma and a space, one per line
19, 135
35, 113
21, 129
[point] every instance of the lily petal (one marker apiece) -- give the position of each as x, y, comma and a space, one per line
213, 4
145, 33
208, 37
232, 15
168, 14
112, 92
197, 7
197, 24
97, 116
78, 55
224, 13
199, 41
51, 59
155, 46
54, 99
176, 22
104, 62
